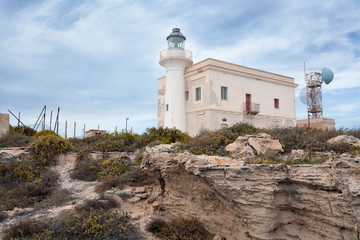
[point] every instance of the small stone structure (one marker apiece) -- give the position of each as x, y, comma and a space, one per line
321, 123
4, 124
92, 133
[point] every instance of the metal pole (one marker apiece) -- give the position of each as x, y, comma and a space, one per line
126, 124
74, 129
44, 120
37, 121
50, 118
57, 120
17, 118
84, 131
65, 129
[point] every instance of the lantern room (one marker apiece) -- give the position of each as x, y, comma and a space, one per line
176, 39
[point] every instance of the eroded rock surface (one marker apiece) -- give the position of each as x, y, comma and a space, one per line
266, 201
13, 154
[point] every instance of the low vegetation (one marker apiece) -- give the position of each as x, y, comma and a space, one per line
112, 172
15, 139
214, 143
127, 141
96, 219
179, 229
31, 181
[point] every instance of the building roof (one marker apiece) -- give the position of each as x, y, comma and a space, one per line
211, 63
95, 130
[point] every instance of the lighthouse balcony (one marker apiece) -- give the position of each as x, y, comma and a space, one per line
175, 52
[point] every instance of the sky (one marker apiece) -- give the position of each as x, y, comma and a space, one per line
98, 59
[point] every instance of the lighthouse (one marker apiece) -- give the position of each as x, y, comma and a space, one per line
175, 59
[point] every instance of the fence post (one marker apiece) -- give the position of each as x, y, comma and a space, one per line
65, 129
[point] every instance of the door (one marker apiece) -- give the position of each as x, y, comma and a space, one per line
248, 102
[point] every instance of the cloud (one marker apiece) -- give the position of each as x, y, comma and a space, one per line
98, 60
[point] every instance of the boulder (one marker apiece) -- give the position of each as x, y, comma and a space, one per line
241, 148
125, 193
142, 195
140, 190
134, 200
250, 145
263, 144
348, 139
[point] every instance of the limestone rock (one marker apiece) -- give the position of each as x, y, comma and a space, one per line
140, 190
240, 147
142, 195
263, 144
134, 199
12, 154
261, 201
126, 193
345, 139
251, 145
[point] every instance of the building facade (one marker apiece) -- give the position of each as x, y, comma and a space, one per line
219, 94
4, 124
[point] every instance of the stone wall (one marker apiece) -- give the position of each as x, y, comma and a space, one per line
321, 123
4, 124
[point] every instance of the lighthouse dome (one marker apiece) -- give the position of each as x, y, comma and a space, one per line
176, 39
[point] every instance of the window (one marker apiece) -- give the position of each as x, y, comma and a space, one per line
167, 107
198, 94
276, 103
224, 93
186, 95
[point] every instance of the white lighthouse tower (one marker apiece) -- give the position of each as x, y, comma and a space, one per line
175, 59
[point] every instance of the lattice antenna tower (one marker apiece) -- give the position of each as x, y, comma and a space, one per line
311, 95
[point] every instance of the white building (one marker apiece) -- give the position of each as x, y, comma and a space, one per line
212, 94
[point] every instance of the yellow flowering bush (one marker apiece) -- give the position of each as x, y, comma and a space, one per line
46, 148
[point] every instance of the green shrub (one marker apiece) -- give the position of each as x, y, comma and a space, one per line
23, 230
25, 183
155, 226
3, 215
310, 139
179, 229
165, 135
46, 148
57, 198
28, 131
14, 139
112, 167
89, 205
93, 220
129, 142
46, 133
135, 176
86, 168
122, 142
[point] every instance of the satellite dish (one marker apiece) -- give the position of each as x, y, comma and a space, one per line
313, 100
327, 75
303, 96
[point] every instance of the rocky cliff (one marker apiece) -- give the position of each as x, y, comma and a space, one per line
260, 201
